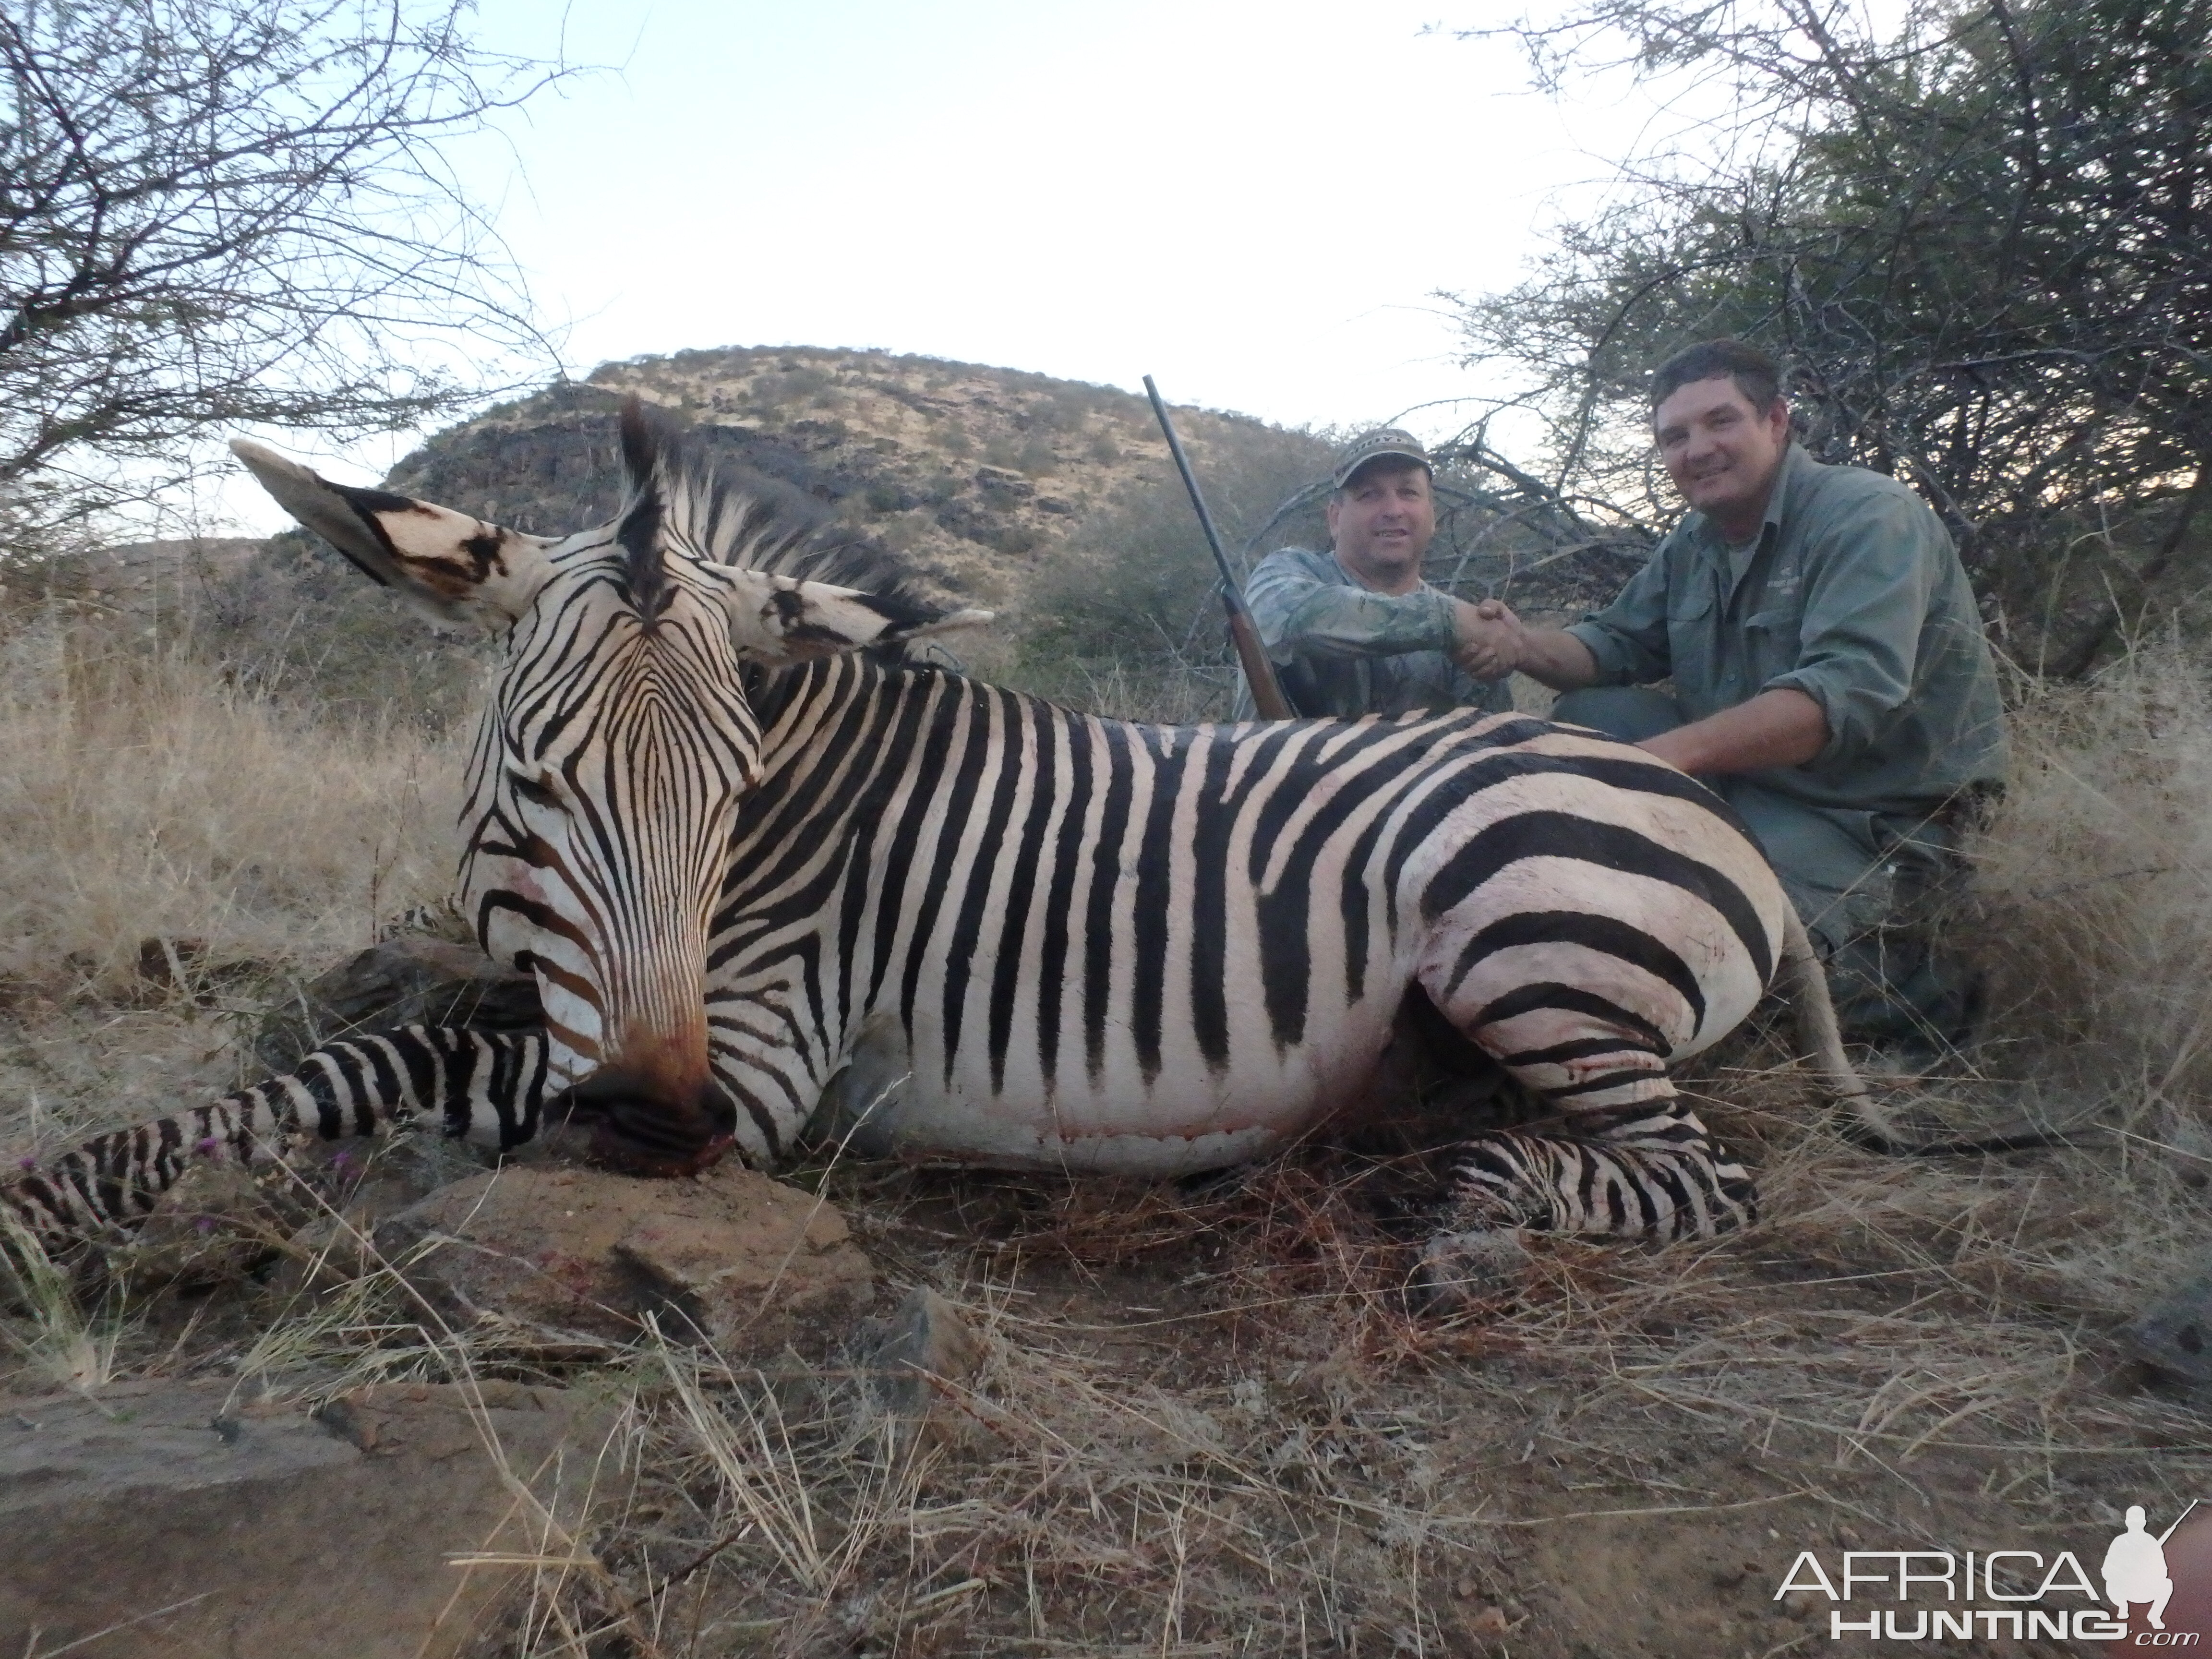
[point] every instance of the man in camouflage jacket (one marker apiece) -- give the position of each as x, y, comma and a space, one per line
1355, 630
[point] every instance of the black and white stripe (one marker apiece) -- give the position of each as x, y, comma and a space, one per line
775, 886
486, 1087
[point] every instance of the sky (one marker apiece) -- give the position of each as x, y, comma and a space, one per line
1256, 201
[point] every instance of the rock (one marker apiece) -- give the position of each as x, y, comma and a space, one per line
364, 1184
924, 1338
1488, 1624
402, 981
184, 1522
749, 1263
170, 967
169, 962
1005, 482
2174, 1335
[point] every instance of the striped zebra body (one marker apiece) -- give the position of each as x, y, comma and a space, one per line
976, 926
773, 887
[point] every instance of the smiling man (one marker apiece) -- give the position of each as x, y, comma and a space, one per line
1356, 630
1829, 677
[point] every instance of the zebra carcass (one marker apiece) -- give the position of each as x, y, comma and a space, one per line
774, 882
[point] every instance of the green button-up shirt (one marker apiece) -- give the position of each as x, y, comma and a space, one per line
1852, 593
1345, 650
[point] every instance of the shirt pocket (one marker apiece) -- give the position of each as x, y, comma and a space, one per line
1691, 647
1772, 642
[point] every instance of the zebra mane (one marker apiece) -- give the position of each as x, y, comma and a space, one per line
748, 523
645, 564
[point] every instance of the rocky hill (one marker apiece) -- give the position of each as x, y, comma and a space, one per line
972, 472
1054, 502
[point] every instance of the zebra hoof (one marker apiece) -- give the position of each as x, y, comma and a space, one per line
1466, 1273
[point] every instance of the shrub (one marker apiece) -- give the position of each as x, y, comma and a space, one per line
1133, 583
298, 626
1035, 458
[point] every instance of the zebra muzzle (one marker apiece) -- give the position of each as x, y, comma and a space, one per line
627, 1124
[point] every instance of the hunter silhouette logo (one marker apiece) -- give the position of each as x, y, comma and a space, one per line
2135, 1567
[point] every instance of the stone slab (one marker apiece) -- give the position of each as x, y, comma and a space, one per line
749, 1264
180, 1521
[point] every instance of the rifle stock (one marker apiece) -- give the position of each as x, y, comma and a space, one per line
1267, 698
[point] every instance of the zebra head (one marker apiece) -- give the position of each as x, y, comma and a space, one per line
617, 748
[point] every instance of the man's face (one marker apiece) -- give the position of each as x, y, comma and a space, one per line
1722, 454
1380, 524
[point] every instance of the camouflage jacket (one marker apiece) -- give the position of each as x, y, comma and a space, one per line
1342, 649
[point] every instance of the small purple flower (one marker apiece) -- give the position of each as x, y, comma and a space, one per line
206, 1147
203, 1223
27, 1162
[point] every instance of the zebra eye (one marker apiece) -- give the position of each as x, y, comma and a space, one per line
532, 791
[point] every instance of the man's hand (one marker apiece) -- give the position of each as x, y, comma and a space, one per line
1491, 639
1494, 642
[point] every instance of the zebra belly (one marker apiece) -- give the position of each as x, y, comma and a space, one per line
888, 1101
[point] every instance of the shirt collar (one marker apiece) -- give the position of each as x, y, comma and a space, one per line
1351, 580
1796, 462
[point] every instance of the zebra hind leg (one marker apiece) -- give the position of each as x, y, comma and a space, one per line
488, 1087
1649, 1170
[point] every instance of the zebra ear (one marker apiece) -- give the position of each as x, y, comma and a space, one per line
456, 568
781, 619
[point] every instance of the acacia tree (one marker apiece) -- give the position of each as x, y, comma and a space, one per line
214, 212
1983, 244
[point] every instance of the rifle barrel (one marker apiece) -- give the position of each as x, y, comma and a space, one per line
1267, 697
2179, 1519
1190, 484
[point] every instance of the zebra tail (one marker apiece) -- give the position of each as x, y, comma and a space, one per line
1870, 1124
1805, 982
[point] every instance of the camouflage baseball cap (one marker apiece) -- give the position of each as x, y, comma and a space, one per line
1371, 446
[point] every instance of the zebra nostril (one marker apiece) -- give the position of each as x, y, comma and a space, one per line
613, 1149
720, 1111
637, 1130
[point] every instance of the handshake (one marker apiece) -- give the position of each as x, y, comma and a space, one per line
1491, 640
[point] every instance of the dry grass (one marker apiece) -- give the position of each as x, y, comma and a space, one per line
171, 849
2095, 887
1206, 1420
141, 798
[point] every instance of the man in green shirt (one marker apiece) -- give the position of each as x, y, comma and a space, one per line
1829, 677
1355, 630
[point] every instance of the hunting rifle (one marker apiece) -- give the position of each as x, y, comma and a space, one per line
1267, 698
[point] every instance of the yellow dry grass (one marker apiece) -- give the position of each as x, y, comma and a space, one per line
142, 798
150, 811
2094, 920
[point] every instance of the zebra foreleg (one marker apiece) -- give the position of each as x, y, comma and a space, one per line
488, 1087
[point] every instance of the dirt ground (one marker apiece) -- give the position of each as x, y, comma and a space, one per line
1626, 1458
1209, 1418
